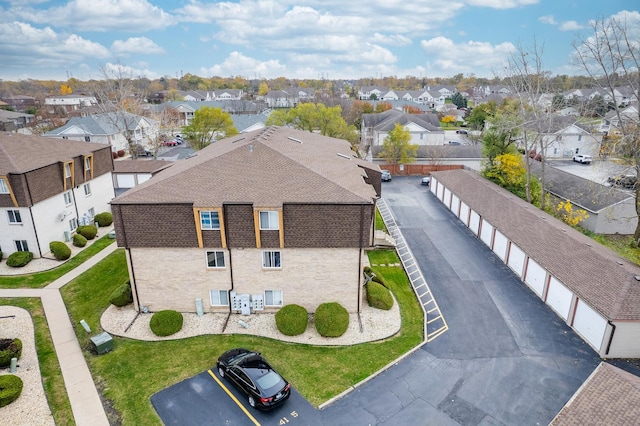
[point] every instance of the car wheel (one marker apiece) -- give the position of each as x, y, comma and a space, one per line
252, 402
221, 371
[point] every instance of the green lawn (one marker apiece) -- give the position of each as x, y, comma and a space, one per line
135, 370
621, 244
49, 367
42, 279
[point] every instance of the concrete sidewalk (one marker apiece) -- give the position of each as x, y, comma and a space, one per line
84, 398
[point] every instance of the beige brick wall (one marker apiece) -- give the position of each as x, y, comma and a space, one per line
173, 278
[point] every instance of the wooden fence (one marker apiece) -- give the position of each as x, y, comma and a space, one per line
418, 169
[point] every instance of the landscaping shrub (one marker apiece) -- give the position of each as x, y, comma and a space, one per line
115, 155
166, 323
292, 320
331, 319
377, 278
79, 240
18, 259
121, 153
122, 296
87, 231
379, 296
60, 250
9, 348
103, 219
10, 389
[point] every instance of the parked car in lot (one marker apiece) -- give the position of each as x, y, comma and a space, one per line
252, 375
581, 158
140, 151
171, 142
426, 180
386, 176
461, 132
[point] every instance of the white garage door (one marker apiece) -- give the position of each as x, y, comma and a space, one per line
126, 180
486, 233
590, 324
143, 177
433, 185
455, 204
447, 197
464, 213
535, 277
559, 297
440, 191
500, 245
474, 222
516, 259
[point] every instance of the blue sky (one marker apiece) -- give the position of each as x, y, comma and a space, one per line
332, 39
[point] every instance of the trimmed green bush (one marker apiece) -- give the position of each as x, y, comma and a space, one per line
104, 218
292, 320
9, 348
18, 259
87, 231
166, 323
79, 240
331, 319
60, 250
122, 296
10, 389
379, 296
377, 278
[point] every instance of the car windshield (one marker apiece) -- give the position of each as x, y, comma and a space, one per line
269, 380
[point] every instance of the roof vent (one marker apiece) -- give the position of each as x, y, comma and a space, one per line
637, 277
343, 156
250, 147
620, 263
238, 140
294, 139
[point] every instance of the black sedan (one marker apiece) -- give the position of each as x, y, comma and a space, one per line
251, 373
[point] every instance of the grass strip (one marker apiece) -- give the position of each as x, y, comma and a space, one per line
52, 380
135, 370
42, 279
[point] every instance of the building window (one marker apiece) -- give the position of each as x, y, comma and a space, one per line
219, 297
579, 138
215, 259
4, 189
91, 213
273, 297
73, 224
87, 139
14, 216
67, 170
271, 259
67, 198
87, 163
21, 245
269, 220
87, 189
209, 220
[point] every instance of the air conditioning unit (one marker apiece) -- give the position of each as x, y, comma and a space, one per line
67, 236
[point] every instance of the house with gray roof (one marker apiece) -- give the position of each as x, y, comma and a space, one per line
111, 128
252, 223
11, 120
129, 173
610, 210
591, 288
424, 128
47, 188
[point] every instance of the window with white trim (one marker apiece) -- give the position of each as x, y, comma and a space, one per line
87, 163
67, 198
271, 259
273, 298
67, 170
87, 189
21, 245
4, 188
73, 224
91, 213
14, 216
219, 297
209, 220
215, 259
269, 220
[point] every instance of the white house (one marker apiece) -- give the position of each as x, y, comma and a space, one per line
424, 128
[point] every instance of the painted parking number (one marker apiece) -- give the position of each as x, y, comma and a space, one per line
285, 420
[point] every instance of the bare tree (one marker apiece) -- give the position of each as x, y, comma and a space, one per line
610, 55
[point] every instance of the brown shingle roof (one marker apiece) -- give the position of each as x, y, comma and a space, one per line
611, 396
140, 166
22, 153
267, 167
596, 274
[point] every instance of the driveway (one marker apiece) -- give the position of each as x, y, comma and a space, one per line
505, 359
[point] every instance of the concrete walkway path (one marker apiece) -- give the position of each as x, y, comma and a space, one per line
84, 398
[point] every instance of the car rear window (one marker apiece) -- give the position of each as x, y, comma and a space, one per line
269, 380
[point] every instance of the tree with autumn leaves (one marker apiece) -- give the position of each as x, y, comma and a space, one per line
397, 147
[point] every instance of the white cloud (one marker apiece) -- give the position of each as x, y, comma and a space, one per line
100, 15
111, 70
135, 45
570, 26
238, 64
394, 39
445, 57
547, 19
502, 4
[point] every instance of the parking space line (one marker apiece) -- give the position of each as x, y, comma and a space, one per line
232, 396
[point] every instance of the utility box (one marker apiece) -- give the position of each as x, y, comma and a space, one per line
103, 343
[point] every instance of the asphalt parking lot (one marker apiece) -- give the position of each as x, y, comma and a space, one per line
506, 358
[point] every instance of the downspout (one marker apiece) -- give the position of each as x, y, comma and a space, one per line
33, 222
133, 282
613, 330
361, 248
224, 326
